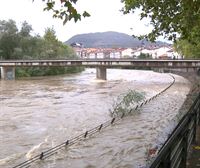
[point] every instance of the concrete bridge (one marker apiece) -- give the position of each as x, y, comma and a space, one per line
8, 66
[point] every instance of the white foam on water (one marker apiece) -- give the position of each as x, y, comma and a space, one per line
10, 158
36, 149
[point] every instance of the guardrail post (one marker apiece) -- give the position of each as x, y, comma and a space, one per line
184, 152
166, 162
41, 156
194, 117
198, 110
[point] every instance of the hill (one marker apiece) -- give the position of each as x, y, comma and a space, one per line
108, 40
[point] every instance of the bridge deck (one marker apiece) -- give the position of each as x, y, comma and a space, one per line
104, 62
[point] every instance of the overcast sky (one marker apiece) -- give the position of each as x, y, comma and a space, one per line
105, 16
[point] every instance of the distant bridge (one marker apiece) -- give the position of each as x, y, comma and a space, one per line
8, 66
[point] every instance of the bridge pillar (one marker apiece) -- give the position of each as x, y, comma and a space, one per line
8, 73
101, 73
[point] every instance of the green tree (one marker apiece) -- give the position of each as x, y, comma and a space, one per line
27, 42
168, 18
25, 29
8, 38
53, 48
144, 56
66, 10
50, 35
187, 49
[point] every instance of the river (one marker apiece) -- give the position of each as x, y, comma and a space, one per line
40, 112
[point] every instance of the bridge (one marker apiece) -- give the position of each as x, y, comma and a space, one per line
8, 66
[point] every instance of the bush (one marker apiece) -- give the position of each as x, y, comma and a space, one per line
126, 102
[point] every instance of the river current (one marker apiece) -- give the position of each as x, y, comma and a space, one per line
41, 112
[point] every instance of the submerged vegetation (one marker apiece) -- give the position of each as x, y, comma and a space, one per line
126, 102
22, 44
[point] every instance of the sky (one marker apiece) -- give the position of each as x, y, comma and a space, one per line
105, 16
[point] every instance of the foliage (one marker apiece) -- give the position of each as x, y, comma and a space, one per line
66, 10
168, 17
45, 71
187, 49
126, 102
8, 38
20, 44
145, 56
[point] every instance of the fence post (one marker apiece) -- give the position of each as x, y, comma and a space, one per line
194, 117
198, 110
184, 152
167, 162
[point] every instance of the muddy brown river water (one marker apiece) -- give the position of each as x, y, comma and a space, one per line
41, 112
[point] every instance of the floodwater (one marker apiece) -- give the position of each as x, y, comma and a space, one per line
41, 112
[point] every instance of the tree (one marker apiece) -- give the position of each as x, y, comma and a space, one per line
66, 10
25, 29
187, 49
171, 18
8, 38
144, 56
50, 35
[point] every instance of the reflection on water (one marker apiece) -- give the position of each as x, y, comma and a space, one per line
38, 113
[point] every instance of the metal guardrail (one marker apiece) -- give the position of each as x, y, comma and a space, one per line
173, 153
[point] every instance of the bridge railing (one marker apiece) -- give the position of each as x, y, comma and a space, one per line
173, 153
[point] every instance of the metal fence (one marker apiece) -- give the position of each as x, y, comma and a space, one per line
173, 153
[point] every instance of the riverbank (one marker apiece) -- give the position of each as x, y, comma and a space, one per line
193, 159
195, 88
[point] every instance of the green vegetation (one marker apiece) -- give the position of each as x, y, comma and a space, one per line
21, 44
65, 10
168, 17
126, 102
188, 49
145, 56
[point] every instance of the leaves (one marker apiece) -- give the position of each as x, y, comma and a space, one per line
66, 10
169, 17
126, 102
86, 14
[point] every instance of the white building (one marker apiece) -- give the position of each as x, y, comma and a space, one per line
128, 52
159, 53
